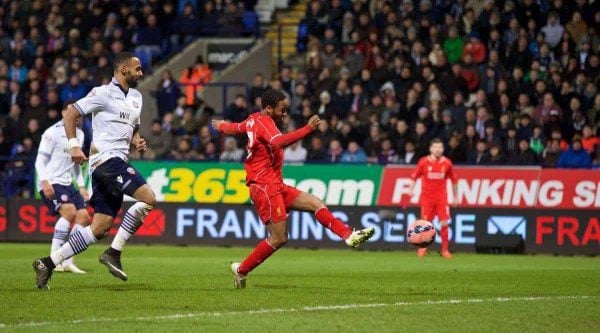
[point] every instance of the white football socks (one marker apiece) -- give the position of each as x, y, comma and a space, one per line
132, 220
77, 243
61, 234
75, 228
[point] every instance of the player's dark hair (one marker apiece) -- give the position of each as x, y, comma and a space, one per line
434, 141
122, 58
271, 97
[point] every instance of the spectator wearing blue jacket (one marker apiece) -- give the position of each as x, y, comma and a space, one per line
18, 71
185, 28
167, 92
575, 157
354, 154
149, 40
73, 91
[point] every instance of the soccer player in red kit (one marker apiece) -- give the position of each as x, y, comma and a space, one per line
271, 197
434, 170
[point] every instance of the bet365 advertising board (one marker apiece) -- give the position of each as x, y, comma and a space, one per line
554, 211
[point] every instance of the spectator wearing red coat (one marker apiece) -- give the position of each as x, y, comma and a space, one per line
589, 141
469, 73
475, 48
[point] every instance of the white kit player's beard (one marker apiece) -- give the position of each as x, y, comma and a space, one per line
131, 81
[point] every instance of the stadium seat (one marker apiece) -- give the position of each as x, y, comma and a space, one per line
251, 24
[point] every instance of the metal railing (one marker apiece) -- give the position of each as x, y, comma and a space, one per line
280, 26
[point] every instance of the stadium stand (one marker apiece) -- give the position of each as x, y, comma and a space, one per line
53, 52
501, 82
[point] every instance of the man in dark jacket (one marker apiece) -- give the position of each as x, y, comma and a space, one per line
237, 111
159, 140
524, 156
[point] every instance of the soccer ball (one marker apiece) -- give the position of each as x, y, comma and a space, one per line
421, 233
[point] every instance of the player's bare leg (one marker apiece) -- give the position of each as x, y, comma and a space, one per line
444, 235
308, 202
132, 221
278, 237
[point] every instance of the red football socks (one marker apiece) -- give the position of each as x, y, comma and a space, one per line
260, 253
329, 221
444, 235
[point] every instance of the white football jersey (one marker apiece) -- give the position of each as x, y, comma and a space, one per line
115, 115
58, 168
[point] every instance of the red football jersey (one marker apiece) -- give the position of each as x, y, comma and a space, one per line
264, 162
433, 174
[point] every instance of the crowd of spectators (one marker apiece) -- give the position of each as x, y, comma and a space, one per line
501, 82
53, 52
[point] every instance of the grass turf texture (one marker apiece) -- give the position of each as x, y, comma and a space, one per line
165, 281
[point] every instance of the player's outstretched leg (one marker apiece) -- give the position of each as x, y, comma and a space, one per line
277, 238
69, 265
132, 221
352, 238
77, 243
308, 202
444, 236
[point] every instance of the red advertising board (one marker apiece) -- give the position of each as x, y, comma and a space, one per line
31, 220
504, 188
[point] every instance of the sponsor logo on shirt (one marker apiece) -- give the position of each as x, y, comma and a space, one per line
436, 175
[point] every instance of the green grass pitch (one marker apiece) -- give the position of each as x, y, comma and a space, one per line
189, 289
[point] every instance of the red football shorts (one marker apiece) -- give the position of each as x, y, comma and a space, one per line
433, 208
273, 201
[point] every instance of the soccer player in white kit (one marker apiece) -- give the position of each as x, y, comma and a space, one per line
116, 109
56, 171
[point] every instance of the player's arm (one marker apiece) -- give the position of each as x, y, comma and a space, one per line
77, 174
455, 194
452, 176
93, 102
137, 141
41, 161
70, 119
229, 128
413, 178
284, 140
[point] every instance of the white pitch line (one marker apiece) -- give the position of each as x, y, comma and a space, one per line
292, 310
